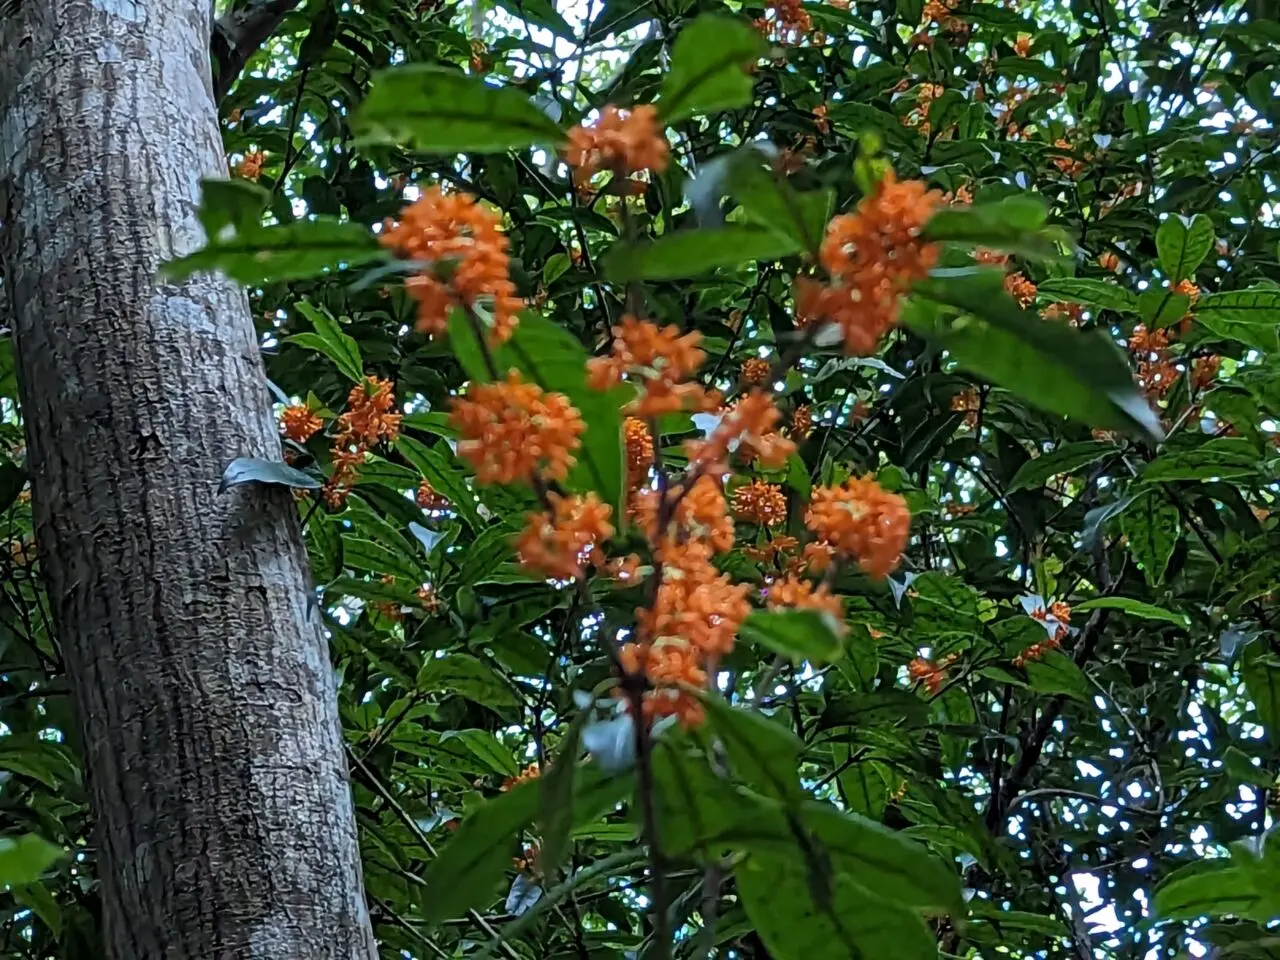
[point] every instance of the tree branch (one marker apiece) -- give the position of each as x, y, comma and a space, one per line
238, 35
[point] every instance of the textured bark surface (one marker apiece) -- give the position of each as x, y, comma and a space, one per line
201, 673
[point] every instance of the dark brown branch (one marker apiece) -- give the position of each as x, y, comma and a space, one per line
238, 35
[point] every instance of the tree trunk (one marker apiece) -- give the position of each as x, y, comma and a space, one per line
198, 664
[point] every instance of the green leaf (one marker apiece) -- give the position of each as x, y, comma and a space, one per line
709, 64
1015, 224
287, 251
778, 892
1183, 243
688, 253
234, 205
1135, 608
1208, 888
1219, 458
443, 477
487, 748
489, 549
255, 470
1242, 770
1068, 372
471, 865
1262, 680
334, 343
1091, 293
361, 554
798, 634
23, 859
1057, 673
763, 753
556, 799
1068, 458
436, 110
1162, 308
1250, 316
769, 201
1151, 528
889, 866
463, 675
37, 898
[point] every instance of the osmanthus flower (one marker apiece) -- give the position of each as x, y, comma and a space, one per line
862, 520
558, 543
749, 427
796, 593
512, 431
666, 664
658, 361
694, 601
871, 257
756, 370
299, 424
639, 447
932, 675
368, 418
701, 512
1071, 313
761, 503
789, 22
464, 260
429, 499
1204, 370
1020, 288
532, 772
250, 168
1188, 289
1054, 617
801, 422
1108, 260
624, 141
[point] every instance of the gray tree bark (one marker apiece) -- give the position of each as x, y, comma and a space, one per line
201, 673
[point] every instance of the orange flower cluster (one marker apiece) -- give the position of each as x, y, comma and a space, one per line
367, 421
429, 499
872, 256
694, 621
1188, 289
968, 403
932, 675
1020, 288
701, 513
639, 442
1022, 45
756, 371
789, 22
1108, 261
820, 121
623, 141
531, 772
801, 422
558, 544
465, 262
862, 520
1061, 612
368, 418
990, 257
251, 166
761, 503
1156, 371
1072, 313
298, 423
1068, 166
750, 427
792, 592
935, 11
1204, 370
514, 431
658, 361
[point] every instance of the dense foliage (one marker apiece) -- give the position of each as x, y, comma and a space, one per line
1050, 729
